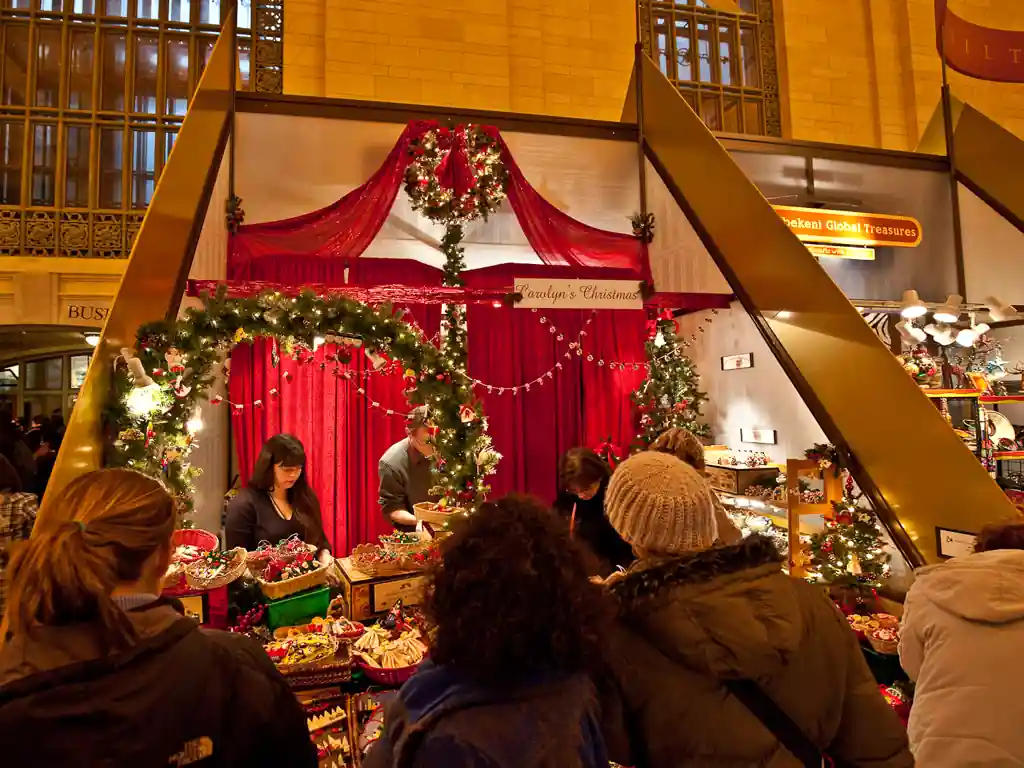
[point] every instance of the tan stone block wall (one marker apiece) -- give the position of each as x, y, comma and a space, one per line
866, 72
569, 58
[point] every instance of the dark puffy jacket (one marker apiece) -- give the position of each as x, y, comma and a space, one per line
441, 721
691, 622
179, 696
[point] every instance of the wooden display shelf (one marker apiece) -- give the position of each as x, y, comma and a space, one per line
952, 393
996, 399
774, 511
1008, 455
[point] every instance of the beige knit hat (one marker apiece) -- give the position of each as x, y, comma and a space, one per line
656, 501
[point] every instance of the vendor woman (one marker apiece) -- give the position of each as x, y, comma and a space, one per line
278, 501
583, 477
404, 470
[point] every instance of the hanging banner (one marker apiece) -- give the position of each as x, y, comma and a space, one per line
976, 51
541, 293
820, 225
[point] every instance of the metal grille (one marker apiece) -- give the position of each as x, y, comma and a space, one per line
92, 96
723, 64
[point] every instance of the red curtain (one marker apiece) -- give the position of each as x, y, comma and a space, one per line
582, 403
320, 245
343, 433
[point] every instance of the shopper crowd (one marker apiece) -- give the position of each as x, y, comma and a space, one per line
632, 623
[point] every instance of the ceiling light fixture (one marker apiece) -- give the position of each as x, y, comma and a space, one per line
912, 305
92, 339
950, 311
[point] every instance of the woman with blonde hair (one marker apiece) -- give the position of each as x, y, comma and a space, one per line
688, 448
97, 669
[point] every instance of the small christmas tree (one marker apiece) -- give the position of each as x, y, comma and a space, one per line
669, 396
850, 552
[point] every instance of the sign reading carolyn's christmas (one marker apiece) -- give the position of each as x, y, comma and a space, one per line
542, 293
819, 225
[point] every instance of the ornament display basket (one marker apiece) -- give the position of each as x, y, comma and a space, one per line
188, 537
406, 549
391, 677
283, 633
363, 559
233, 571
257, 559
275, 590
428, 512
885, 647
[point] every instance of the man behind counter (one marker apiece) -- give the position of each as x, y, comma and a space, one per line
404, 471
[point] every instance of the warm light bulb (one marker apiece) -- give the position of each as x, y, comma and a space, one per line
142, 401
966, 337
195, 423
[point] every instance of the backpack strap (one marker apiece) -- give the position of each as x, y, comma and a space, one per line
777, 722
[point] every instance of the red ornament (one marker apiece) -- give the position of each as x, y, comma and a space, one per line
159, 372
216, 400
274, 392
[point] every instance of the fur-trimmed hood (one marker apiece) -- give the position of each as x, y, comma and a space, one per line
728, 611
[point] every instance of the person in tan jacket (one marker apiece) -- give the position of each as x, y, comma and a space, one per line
695, 621
963, 629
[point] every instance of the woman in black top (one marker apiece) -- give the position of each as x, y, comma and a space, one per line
278, 502
583, 477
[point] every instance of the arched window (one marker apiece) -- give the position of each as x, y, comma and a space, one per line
724, 64
92, 96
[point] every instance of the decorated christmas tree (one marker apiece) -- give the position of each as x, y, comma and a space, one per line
850, 552
669, 396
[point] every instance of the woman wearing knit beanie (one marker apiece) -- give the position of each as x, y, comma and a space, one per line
686, 447
707, 636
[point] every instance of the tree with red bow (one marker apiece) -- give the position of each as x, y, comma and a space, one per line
670, 395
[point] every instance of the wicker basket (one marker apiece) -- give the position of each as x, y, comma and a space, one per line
275, 590
385, 676
363, 559
888, 647
428, 512
420, 545
257, 559
225, 577
194, 537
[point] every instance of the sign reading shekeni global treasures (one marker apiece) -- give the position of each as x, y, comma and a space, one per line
819, 225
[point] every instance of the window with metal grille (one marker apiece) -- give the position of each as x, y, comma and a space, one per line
723, 64
92, 96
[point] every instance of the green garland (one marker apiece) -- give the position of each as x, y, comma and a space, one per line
181, 358
669, 395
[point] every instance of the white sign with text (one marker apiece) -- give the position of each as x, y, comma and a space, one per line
542, 293
955, 543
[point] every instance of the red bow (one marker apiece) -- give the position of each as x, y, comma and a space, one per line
453, 172
652, 324
609, 452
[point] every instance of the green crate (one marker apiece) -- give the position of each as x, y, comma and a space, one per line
298, 609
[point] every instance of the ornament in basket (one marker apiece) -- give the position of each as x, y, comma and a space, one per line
389, 660
435, 514
280, 579
401, 543
285, 550
885, 640
374, 560
216, 569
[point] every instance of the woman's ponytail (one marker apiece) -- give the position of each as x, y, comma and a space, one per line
67, 572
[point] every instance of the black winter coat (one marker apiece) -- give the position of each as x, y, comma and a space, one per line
178, 696
595, 532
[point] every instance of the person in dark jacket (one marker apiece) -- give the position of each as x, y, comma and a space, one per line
97, 670
699, 624
516, 628
583, 477
278, 502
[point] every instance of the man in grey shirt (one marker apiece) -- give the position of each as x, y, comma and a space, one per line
404, 470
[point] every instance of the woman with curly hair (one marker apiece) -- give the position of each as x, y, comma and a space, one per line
515, 633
